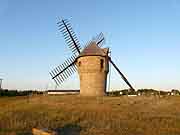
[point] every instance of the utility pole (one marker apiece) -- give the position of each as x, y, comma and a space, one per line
1, 83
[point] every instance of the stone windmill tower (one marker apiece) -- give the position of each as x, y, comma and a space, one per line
93, 67
92, 63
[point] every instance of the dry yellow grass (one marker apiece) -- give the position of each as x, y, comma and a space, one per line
80, 115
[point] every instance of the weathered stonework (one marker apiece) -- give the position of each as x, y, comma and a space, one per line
93, 72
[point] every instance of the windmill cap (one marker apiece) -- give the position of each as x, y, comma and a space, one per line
94, 50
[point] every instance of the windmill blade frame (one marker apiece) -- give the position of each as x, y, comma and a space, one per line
64, 71
121, 74
99, 39
69, 36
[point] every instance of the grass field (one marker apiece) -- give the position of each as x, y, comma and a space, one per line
75, 115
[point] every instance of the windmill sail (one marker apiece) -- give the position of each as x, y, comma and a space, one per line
122, 76
99, 39
64, 71
69, 35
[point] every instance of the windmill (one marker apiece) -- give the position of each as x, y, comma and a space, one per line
91, 62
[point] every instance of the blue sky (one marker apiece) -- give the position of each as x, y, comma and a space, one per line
143, 35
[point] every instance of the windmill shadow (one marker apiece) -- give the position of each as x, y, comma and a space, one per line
69, 129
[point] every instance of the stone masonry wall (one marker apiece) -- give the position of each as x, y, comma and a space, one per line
93, 75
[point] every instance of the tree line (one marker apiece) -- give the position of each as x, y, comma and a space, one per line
143, 92
11, 93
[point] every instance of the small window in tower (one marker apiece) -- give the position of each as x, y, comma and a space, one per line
79, 63
102, 63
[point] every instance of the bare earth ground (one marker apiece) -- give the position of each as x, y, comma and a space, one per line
74, 115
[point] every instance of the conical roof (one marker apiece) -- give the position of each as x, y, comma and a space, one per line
93, 49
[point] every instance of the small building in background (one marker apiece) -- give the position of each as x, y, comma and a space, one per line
175, 92
120, 93
63, 92
1, 83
